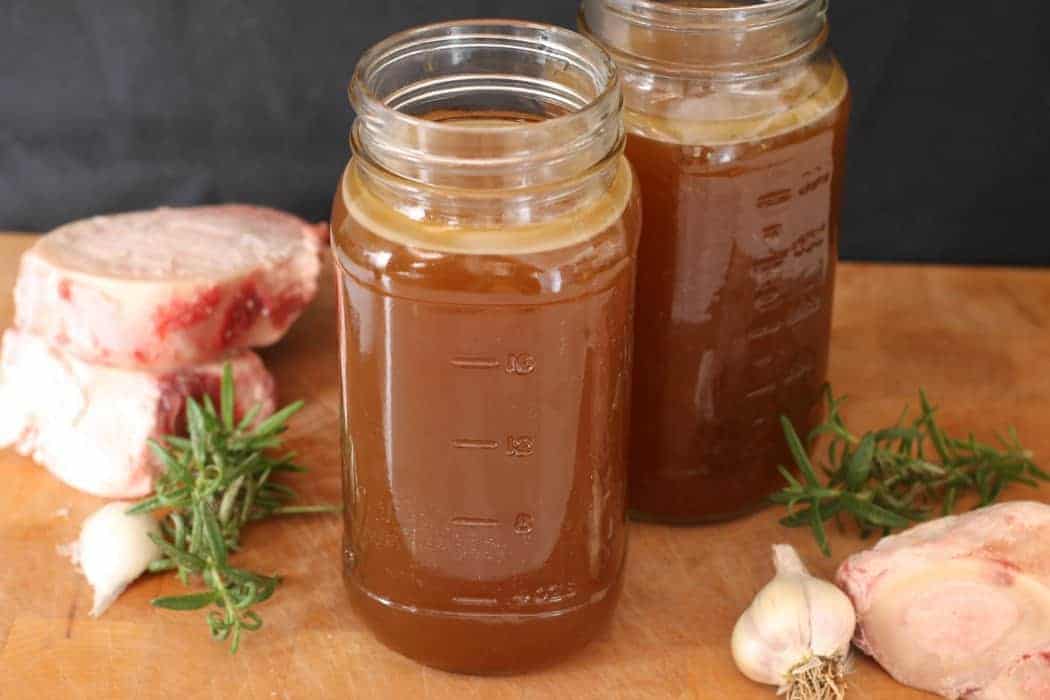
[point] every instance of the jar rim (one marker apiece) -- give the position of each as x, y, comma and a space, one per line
548, 100
362, 96
669, 38
752, 11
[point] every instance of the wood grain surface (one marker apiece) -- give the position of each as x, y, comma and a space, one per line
977, 339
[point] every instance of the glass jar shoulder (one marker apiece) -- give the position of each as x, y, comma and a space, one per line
574, 254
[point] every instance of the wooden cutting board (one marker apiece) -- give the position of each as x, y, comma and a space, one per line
977, 339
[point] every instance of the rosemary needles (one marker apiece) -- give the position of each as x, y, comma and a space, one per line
215, 482
888, 479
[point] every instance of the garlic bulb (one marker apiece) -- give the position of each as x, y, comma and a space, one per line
114, 549
796, 633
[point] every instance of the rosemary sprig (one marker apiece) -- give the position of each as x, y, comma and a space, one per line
215, 482
888, 479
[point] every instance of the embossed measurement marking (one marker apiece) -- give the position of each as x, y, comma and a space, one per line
520, 445
468, 521
468, 444
774, 198
521, 363
524, 523
481, 602
466, 362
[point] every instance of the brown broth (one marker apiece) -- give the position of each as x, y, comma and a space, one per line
485, 428
735, 279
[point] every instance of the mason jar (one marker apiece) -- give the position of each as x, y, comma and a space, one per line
736, 118
485, 231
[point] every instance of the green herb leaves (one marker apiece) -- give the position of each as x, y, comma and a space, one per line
215, 482
884, 479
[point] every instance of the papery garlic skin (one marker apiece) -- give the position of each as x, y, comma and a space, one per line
113, 550
794, 618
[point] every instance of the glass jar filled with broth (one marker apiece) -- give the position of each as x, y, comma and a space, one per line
736, 116
485, 232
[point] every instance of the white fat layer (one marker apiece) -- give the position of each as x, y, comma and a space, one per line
88, 424
718, 118
574, 229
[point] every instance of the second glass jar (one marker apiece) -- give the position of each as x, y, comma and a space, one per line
485, 232
736, 115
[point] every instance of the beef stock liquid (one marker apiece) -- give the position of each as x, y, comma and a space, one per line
735, 279
487, 380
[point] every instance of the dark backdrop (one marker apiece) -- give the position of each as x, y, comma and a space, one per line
118, 104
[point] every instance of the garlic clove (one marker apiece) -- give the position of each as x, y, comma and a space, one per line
772, 636
831, 617
756, 658
113, 550
833, 622
796, 625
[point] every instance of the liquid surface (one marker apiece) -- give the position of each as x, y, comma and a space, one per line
735, 280
486, 377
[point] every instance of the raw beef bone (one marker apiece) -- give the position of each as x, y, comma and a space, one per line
960, 606
169, 287
89, 425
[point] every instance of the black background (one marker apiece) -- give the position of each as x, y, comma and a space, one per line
108, 105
